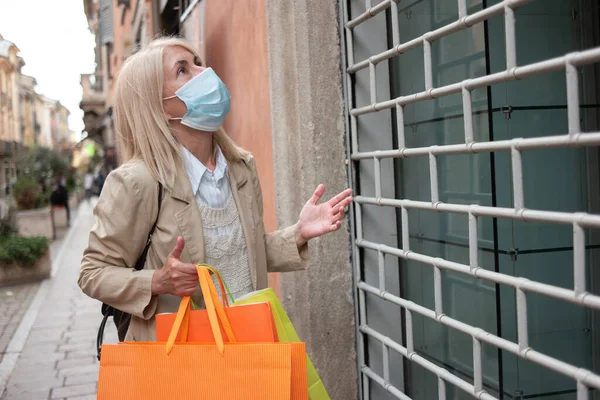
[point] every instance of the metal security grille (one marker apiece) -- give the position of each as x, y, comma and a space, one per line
368, 74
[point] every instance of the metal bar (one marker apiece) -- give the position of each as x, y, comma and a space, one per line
350, 121
547, 142
353, 121
433, 178
381, 261
405, 231
453, 27
386, 362
441, 389
580, 58
377, 172
587, 378
517, 175
510, 36
579, 259
588, 300
427, 64
467, 115
395, 24
473, 242
582, 391
370, 13
188, 11
573, 99
400, 126
410, 347
363, 310
477, 369
354, 133
373, 83
462, 8
390, 388
428, 365
437, 292
359, 227
522, 320
564, 218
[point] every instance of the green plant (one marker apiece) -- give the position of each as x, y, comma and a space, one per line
26, 192
24, 251
41, 163
43, 199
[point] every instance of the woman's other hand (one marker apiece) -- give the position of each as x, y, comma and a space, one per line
318, 219
175, 277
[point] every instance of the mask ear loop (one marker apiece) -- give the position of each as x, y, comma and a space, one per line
169, 98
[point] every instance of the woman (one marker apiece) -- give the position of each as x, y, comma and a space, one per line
168, 113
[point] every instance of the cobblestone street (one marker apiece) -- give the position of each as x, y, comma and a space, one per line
16, 299
52, 352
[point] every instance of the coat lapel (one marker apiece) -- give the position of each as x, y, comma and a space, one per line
244, 205
188, 217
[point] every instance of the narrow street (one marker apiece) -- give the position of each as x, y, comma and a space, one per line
52, 352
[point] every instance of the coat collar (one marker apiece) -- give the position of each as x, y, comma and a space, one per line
182, 189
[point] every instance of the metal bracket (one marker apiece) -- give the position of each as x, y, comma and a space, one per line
507, 110
513, 253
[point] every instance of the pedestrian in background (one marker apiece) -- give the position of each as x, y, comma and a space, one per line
168, 112
60, 197
100, 181
88, 183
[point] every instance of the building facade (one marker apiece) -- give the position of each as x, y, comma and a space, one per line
45, 111
27, 118
10, 116
29, 124
119, 26
61, 136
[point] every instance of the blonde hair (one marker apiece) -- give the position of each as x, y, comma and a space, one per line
143, 130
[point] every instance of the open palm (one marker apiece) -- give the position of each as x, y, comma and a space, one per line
318, 219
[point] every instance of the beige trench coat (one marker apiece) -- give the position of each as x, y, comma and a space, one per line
125, 212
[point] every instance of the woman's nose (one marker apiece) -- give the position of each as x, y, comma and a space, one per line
198, 69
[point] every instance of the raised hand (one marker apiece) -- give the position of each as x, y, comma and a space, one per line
318, 219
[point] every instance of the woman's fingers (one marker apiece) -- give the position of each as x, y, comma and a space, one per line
335, 200
185, 268
317, 194
335, 226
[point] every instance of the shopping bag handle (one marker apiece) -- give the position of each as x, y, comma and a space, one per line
222, 284
214, 308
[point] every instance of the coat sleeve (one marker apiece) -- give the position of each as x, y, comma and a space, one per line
123, 220
283, 255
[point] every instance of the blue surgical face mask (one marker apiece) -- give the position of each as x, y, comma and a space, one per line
207, 100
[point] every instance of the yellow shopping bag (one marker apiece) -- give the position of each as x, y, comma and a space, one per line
287, 333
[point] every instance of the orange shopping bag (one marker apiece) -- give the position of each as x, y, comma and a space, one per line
157, 371
250, 323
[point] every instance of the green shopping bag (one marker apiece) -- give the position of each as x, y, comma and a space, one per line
287, 333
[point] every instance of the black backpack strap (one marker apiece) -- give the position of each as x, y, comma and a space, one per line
139, 265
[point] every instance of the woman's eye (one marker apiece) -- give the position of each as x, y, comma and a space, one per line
197, 61
181, 71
